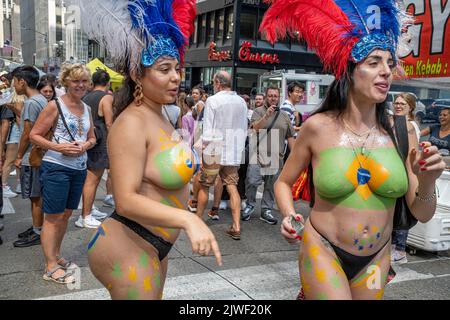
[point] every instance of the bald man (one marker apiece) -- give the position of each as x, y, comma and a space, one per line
225, 116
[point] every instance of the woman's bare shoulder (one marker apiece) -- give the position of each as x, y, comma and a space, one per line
131, 121
317, 122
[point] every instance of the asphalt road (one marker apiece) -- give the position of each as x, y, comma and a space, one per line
259, 266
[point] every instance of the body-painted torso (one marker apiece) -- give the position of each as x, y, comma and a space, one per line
173, 164
336, 178
355, 217
169, 168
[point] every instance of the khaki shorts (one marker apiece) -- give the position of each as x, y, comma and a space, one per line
228, 174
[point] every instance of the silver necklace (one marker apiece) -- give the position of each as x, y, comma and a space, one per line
354, 132
363, 175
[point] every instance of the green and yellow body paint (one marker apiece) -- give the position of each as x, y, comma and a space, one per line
336, 178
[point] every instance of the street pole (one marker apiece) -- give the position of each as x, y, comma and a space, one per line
235, 49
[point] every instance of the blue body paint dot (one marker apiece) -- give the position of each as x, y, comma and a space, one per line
355, 241
363, 176
360, 248
189, 163
371, 246
378, 235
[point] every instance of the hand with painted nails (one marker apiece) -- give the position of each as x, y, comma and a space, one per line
427, 164
288, 230
202, 239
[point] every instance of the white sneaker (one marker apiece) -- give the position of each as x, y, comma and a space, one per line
8, 193
19, 188
243, 204
398, 257
13, 173
97, 214
223, 205
109, 201
88, 222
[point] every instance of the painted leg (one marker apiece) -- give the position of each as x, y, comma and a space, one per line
321, 274
369, 284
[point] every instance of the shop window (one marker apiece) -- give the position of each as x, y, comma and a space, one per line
248, 25
195, 33
202, 23
260, 36
220, 24
246, 83
229, 23
210, 29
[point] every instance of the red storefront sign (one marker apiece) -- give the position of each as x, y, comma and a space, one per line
214, 55
429, 53
245, 54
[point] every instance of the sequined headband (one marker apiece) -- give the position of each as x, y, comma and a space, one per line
369, 43
159, 47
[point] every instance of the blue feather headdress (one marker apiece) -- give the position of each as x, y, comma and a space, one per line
138, 32
377, 24
338, 30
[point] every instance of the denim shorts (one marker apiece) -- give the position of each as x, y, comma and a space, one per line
61, 187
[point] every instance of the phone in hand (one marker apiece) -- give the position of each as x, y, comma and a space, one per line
297, 225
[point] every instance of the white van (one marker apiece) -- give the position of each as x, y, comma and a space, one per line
316, 86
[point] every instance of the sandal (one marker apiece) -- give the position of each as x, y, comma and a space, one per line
65, 279
66, 264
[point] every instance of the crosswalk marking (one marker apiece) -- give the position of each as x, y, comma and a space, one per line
278, 281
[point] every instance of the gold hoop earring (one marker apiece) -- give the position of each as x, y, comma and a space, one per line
138, 94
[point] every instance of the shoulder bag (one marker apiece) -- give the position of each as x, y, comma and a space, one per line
403, 218
37, 152
259, 138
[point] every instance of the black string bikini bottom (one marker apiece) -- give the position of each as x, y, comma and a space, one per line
160, 244
350, 263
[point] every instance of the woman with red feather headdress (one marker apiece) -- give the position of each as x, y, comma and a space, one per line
150, 165
358, 174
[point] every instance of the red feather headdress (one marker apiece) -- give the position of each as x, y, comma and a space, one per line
320, 23
184, 12
338, 31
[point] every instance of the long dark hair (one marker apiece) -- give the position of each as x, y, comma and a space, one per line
336, 100
44, 83
125, 95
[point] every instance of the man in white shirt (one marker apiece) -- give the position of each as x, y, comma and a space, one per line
225, 116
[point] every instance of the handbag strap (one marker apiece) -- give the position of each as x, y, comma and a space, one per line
258, 138
401, 135
267, 132
63, 119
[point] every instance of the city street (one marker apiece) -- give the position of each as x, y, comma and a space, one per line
260, 266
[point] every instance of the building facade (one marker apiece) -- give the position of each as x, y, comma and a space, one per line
79, 47
7, 50
227, 38
42, 32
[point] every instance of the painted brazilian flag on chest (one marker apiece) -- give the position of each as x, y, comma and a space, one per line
372, 181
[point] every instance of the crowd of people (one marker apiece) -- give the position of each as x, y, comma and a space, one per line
175, 145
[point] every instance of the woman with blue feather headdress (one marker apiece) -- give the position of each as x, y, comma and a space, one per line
150, 164
367, 169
